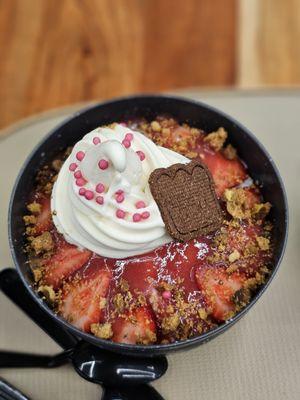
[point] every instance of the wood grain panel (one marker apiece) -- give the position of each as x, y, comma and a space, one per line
60, 52
269, 43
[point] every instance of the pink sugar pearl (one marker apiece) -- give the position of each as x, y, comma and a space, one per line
140, 204
80, 182
100, 199
120, 198
96, 140
129, 137
80, 155
120, 214
126, 143
141, 154
77, 174
145, 214
89, 195
81, 191
103, 164
72, 166
166, 294
136, 217
100, 188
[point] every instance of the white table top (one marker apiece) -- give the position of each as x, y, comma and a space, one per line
259, 358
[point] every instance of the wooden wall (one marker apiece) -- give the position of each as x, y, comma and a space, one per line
56, 52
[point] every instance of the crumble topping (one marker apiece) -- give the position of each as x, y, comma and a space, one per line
260, 211
42, 243
237, 203
230, 152
34, 208
48, 293
102, 331
235, 255
263, 243
216, 139
170, 323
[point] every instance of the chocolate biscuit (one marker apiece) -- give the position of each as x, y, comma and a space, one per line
186, 199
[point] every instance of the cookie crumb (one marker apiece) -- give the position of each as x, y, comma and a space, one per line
202, 313
216, 139
48, 292
37, 274
234, 256
155, 126
236, 203
29, 219
263, 243
34, 208
102, 331
57, 164
102, 303
230, 152
42, 243
170, 324
260, 211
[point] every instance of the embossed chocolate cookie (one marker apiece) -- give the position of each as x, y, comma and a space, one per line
186, 199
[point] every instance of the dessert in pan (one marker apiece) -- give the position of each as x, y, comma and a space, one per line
148, 232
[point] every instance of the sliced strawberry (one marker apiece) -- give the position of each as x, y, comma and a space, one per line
137, 327
67, 260
80, 301
226, 173
44, 218
219, 289
240, 237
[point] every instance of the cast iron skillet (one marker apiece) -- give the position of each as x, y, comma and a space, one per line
197, 114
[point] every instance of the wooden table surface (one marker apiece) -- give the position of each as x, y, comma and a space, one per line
60, 52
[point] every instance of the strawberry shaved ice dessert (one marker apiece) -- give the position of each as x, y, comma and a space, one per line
102, 257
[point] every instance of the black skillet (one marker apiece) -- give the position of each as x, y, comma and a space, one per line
261, 168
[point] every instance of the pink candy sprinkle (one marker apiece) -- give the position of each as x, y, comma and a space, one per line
120, 198
136, 217
166, 294
72, 166
140, 204
80, 155
129, 137
77, 174
120, 214
100, 188
145, 214
96, 140
100, 199
89, 195
80, 182
103, 164
126, 143
82, 191
141, 154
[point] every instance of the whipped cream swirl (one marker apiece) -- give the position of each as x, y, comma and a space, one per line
101, 199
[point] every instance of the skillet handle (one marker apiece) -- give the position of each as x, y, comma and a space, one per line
145, 392
12, 286
12, 359
9, 392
